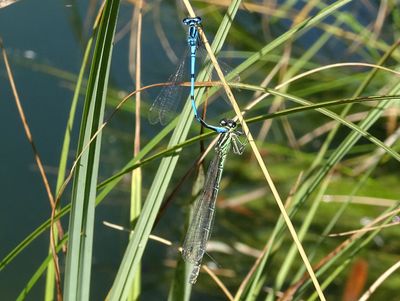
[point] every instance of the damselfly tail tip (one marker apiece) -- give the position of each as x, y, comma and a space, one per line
194, 274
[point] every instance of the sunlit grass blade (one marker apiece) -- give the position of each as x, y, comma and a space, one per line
283, 274
4, 3
79, 256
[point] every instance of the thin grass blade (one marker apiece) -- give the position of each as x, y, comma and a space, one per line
79, 256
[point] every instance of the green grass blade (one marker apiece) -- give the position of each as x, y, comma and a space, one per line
79, 256
283, 274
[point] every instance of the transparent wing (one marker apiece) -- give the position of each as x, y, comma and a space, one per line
166, 104
202, 217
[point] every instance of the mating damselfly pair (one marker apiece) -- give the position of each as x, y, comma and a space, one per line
199, 230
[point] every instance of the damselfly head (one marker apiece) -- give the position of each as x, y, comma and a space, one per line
192, 21
229, 123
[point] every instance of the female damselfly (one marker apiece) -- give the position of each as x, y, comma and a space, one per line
199, 230
166, 103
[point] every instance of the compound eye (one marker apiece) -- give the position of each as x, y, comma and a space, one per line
231, 124
223, 122
198, 19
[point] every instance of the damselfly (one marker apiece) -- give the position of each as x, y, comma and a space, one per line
199, 230
166, 103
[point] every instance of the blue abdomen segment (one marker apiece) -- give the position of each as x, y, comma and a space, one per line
193, 43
